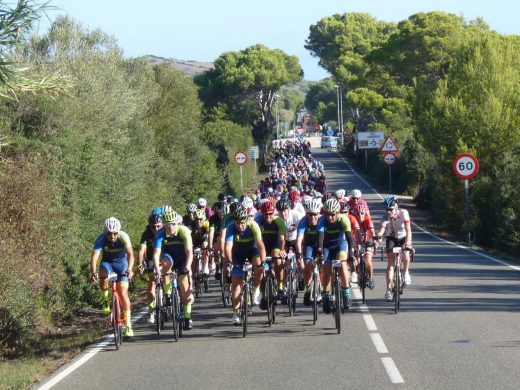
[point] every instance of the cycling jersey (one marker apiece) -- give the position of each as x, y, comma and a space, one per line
292, 224
244, 244
310, 233
334, 232
216, 223
199, 234
396, 227
113, 251
173, 247
271, 231
147, 239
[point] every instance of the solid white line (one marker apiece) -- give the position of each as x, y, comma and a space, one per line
492, 258
370, 323
378, 342
391, 370
86, 356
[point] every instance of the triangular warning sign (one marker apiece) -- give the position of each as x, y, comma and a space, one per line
389, 145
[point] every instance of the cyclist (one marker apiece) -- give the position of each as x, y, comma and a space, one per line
341, 195
117, 256
307, 243
274, 232
215, 226
202, 204
397, 228
295, 202
354, 227
200, 231
355, 200
189, 218
243, 241
366, 236
145, 258
173, 248
335, 242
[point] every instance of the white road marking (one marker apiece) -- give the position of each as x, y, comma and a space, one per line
378, 342
86, 356
391, 370
370, 323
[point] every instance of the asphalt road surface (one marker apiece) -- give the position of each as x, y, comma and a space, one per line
458, 328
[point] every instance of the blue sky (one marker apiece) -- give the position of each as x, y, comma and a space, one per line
202, 30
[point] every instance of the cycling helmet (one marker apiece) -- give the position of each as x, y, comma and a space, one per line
390, 202
247, 202
234, 206
314, 206
268, 207
306, 199
155, 218
240, 214
331, 206
221, 197
112, 225
219, 206
166, 208
356, 194
171, 216
340, 194
294, 196
200, 214
157, 211
191, 208
201, 202
283, 204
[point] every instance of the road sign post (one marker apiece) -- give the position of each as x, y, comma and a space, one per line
389, 159
466, 166
241, 158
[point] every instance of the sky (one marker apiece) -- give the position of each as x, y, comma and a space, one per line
201, 30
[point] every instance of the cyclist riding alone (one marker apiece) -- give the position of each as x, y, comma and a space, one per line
274, 233
335, 242
117, 256
243, 241
200, 230
145, 258
397, 228
173, 248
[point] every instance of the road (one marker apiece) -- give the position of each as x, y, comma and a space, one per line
458, 329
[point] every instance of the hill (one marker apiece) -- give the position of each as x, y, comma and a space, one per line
192, 68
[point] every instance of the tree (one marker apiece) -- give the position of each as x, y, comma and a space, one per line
246, 81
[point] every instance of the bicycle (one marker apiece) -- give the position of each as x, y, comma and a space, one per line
337, 307
160, 306
198, 275
176, 308
292, 282
246, 300
398, 282
363, 275
270, 290
219, 267
117, 317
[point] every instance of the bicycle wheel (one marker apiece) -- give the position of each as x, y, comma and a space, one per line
206, 283
121, 320
268, 298
315, 293
175, 313
158, 308
295, 289
362, 282
115, 320
180, 322
397, 284
244, 309
290, 291
337, 298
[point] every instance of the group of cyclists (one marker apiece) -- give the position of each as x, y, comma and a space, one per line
291, 212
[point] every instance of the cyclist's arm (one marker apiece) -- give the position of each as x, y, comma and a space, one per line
261, 250
93, 261
299, 241
184, 233
141, 254
408, 241
211, 237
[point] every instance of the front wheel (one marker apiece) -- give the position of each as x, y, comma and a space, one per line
115, 322
244, 310
175, 314
337, 298
397, 288
315, 293
362, 283
158, 308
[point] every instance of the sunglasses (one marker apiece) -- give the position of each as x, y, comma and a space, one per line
312, 214
169, 224
241, 221
330, 214
110, 234
390, 209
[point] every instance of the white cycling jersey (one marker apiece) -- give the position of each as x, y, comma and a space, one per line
292, 224
396, 227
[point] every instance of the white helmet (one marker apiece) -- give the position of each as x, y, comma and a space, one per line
314, 206
112, 225
306, 199
201, 202
247, 202
355, 194
340, 194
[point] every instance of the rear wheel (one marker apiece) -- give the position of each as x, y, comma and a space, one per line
397, 285
362, 283
175, 313
268, 298
315, 293
158, 308
290, 292
115, 321
244, 310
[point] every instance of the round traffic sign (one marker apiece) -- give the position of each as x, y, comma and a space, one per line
465, 166
389, 158
240, 158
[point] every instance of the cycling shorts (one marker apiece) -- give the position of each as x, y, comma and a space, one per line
238, 261
334, 252
179, 264
392, 242
119, 266
309, 252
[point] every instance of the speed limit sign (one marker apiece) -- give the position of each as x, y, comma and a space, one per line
465, 166
240, 158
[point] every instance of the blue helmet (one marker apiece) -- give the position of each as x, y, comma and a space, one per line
390, 201
157, 211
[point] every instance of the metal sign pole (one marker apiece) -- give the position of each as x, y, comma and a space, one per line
366, 159
241, 181
389, 179
466, 207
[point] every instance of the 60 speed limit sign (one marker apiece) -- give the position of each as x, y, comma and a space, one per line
465, 166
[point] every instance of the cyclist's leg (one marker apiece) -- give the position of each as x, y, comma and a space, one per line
308, 252
390, 243
327, 263
205, 257
166, 265
341, 254
278, 268
121, 267
104, 269
368, 261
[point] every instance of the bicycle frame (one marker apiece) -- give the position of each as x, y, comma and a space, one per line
117, 318
315, 287
398, 278
292, 282
245, 299
336, 283
270, 290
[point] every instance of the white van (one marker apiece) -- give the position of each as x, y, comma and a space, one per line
329, 142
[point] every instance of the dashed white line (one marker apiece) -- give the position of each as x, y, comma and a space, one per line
391, 370
370, 323
379, 343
